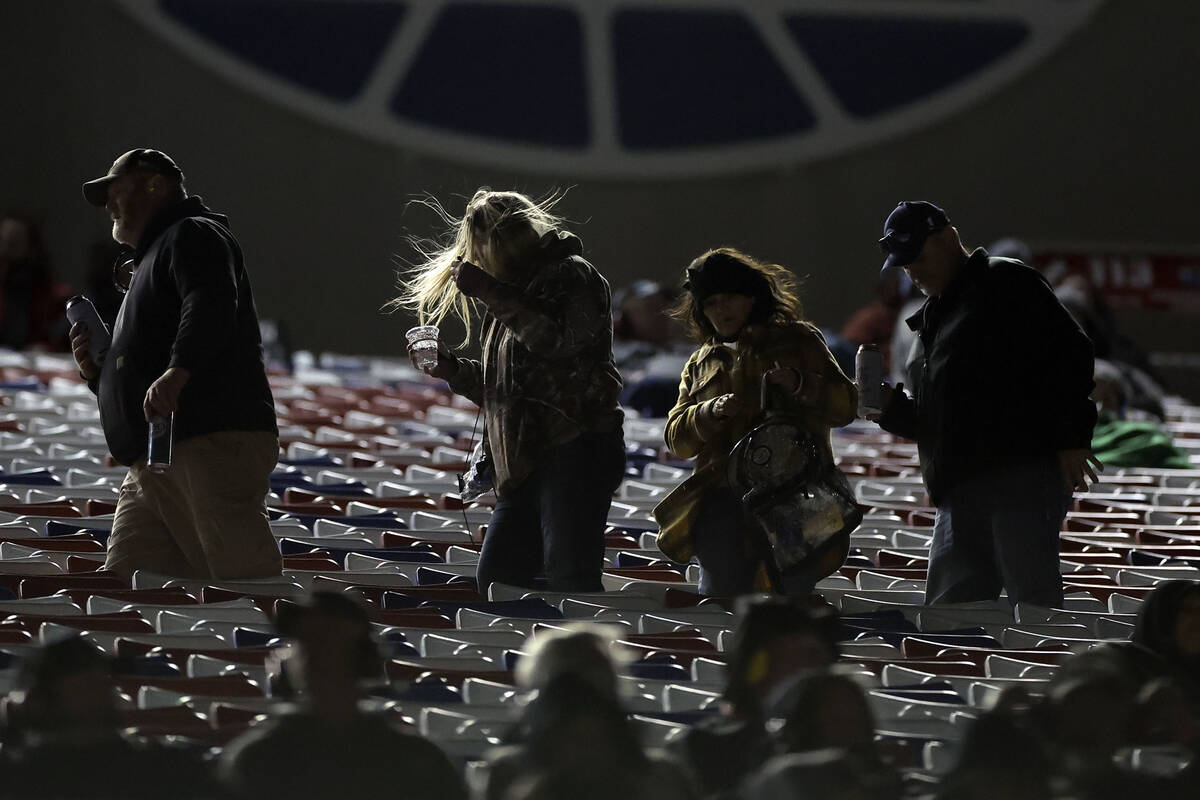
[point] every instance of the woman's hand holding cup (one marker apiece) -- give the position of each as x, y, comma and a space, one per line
429, 354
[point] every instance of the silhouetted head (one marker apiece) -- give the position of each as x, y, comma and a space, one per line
332, 645
918, 236
776, 640
999, 759
826, 709
138, 184
1169, 622
66, 689
726, 290
582, 650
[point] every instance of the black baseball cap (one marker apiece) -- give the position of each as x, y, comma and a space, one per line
717, 272
153, 162
907, 228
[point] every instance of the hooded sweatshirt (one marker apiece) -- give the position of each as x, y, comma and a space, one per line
190, 306
547, 374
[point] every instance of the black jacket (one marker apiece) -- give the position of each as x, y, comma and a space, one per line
189, 305
1004, 376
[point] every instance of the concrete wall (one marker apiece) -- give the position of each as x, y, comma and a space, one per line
1097, 144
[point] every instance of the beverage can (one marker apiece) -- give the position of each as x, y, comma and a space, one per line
868, 376
80, 309
161, 441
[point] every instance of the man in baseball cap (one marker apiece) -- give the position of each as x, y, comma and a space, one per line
148, 162
908, 227
186, 348
1001, 416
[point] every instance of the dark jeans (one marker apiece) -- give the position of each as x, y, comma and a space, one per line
555, 519
730, 547
1001, 531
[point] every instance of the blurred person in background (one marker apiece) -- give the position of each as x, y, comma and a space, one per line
64, 739
826, 713
999, 759
776, 640
827, 774
827, 709
649, 345
329, 746
1166, 640
546, 383
747, 319
1154, 682
32, 302
875, 323
574, 734
1126, 433
1089, 715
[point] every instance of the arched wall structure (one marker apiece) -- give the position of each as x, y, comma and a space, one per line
1063, 121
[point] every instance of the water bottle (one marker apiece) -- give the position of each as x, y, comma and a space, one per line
80, 309
868, 376
162, 440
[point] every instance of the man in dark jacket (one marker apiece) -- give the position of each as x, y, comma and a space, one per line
1001, 415
185, 344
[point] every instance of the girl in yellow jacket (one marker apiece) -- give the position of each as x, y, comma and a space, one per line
747, 318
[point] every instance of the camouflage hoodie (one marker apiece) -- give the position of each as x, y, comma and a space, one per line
547, 373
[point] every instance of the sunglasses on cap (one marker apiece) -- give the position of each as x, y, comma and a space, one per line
895, 241
904, 243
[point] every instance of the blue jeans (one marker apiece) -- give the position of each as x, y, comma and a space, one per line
1000, 531
555, 519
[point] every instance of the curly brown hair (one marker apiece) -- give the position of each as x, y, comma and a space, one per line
775, 288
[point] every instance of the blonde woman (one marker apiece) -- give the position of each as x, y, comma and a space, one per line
746, 316
546, 383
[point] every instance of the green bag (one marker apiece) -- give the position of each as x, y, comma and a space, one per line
1136, 443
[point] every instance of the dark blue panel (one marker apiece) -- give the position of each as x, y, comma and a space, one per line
875, 65
23, 385
316, 461
505, 72
696, 78
252, 637
426, 690
32, 477
327, 46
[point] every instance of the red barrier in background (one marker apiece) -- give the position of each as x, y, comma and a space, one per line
1130, 280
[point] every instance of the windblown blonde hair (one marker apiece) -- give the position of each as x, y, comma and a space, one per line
497, 227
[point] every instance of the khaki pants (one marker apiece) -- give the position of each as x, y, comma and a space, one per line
205, 517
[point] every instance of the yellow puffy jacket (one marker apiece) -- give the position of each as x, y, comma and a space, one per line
827, 399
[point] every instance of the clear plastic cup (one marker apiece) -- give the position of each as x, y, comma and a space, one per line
423, 340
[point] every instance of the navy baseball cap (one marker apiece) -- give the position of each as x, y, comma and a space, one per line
154, 162
907, 228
